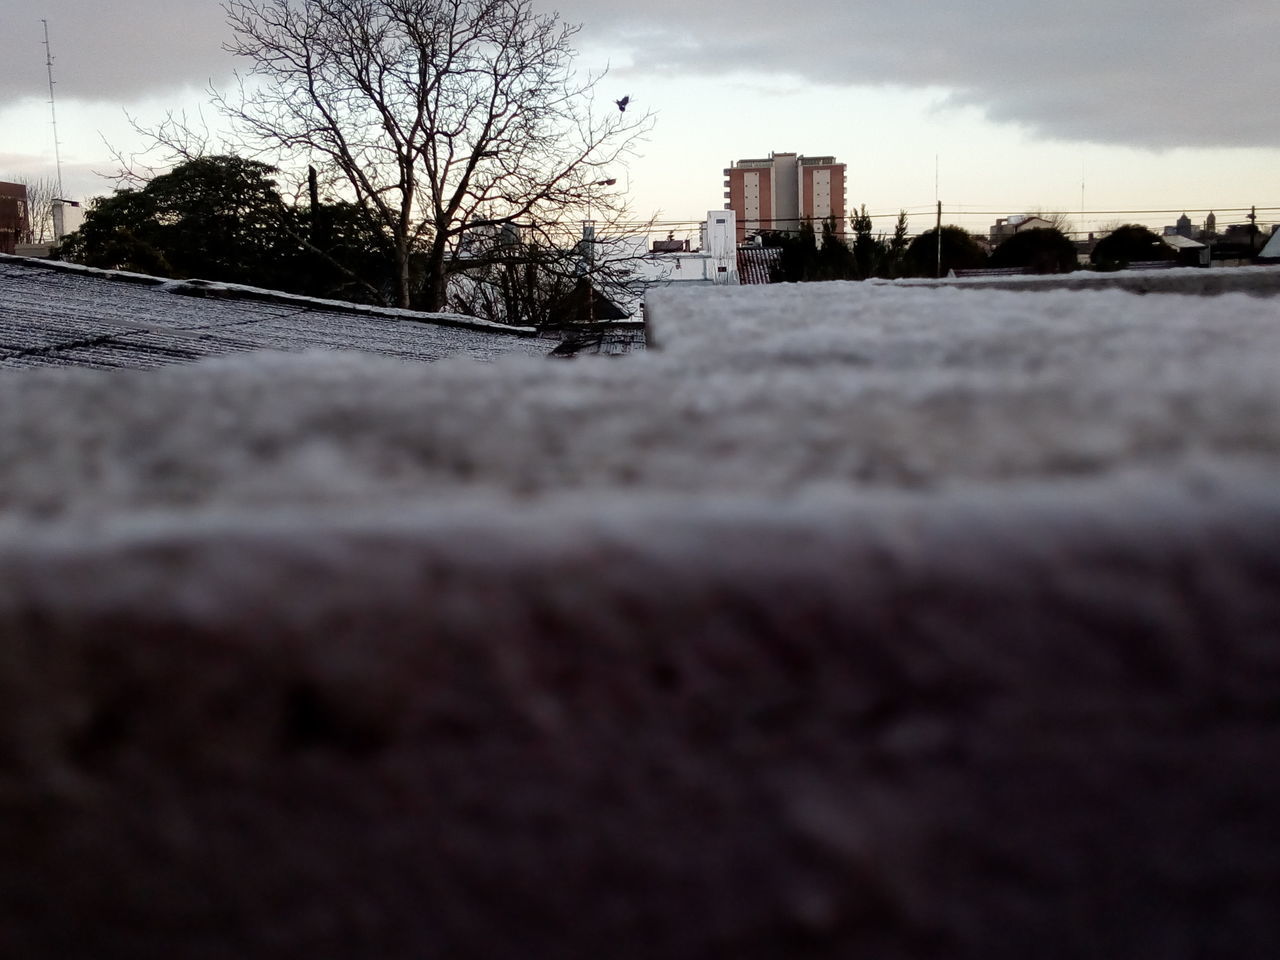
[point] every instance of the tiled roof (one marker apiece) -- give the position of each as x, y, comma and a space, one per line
53, 315
755, 264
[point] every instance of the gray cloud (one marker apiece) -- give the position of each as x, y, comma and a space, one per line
1154, 73
117, 50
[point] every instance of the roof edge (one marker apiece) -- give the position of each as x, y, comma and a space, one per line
195, 287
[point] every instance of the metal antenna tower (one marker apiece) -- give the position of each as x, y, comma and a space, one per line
53, 111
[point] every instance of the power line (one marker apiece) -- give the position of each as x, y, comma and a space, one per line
957, 210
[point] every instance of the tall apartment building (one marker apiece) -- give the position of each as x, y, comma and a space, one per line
784, 190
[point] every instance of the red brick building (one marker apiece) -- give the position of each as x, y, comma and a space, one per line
783, 190
15, 219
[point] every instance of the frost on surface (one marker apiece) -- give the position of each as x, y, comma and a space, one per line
63, 316
853, 621
752, 393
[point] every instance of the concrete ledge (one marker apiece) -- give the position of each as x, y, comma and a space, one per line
860, 621
1260, 281
893, 726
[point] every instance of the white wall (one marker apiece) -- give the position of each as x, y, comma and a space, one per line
67, 218
720, 243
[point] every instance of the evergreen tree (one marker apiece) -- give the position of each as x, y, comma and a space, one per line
221, 218
868, 252
897, 251
959, 252
1037, 251
216, 217
1128, 244
835, 260
804, 261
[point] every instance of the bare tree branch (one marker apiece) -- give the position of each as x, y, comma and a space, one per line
431, 115
1057, 219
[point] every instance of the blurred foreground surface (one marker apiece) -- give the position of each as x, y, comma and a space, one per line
849, 621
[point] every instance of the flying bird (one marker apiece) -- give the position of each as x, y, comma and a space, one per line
622, 104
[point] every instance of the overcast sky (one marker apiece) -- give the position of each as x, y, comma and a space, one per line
1133, 72
1169, 83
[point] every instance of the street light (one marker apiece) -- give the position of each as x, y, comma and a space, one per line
599, 183
589, 237
588, 225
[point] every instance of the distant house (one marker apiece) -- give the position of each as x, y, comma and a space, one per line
482, 239
670, 245
584, 304
15, 216
1191, 253
1006, 227
671, 262
1270, 253
1247, 236
621, 267
68, 217
1239, 244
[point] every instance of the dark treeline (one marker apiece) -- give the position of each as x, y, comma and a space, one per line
860, 254
222, 218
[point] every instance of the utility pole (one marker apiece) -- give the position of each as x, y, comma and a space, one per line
313, 190
937, 179
938, 271
48, 59
1081, 229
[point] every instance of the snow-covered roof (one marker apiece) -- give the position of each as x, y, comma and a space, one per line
854, 620
1260, 281
62, 316
749, 390
1272, 246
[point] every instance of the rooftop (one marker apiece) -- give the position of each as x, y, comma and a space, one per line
60, 315
852, 620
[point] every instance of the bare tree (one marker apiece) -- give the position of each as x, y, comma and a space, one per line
520, 274
1058, 220
177, 139
435, 115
